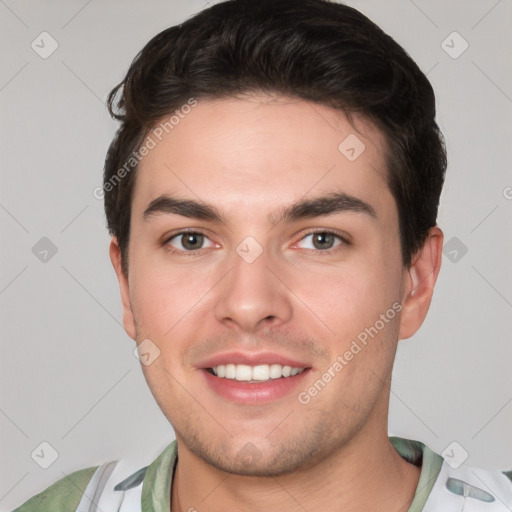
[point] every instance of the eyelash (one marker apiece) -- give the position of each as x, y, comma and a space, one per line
183, 252
343, 241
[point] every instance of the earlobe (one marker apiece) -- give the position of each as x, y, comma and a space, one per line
419, 283
128, 318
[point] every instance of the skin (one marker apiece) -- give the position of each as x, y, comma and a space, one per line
252, 157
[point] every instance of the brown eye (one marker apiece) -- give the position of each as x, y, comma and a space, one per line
323, 240
188, 241
320, 240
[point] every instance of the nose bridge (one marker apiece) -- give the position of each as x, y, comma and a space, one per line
251, 295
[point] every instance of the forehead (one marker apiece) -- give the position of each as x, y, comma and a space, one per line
262, 151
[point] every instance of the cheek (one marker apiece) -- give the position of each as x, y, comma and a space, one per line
350, 298
164, 299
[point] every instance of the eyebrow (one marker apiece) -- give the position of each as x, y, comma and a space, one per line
335, 202
184, 207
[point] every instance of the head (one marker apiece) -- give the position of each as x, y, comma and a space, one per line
296, 143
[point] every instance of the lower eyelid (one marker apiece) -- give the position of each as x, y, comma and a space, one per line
176, 236
167, 242
341, 239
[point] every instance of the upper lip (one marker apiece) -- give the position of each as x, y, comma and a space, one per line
251, 359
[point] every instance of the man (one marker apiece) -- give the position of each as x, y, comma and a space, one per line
272, 196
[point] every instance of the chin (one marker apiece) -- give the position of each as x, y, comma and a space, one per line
259, 458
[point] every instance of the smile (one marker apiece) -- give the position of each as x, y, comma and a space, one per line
256, 373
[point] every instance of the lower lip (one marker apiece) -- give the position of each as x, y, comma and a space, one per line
254, 393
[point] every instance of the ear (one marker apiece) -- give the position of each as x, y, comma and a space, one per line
419, 283
128, 318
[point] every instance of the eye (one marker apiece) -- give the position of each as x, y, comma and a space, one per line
189, 241
321, 240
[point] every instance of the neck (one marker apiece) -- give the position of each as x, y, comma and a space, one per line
366, 473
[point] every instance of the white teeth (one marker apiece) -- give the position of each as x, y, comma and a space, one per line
243, 372
258, 373
230, 371
275, 371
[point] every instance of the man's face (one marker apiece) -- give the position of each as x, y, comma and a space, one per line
257, 287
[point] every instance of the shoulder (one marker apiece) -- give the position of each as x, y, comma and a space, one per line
125, 483
62, 496
469, 488
451, 484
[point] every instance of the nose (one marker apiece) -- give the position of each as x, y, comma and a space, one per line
252, 297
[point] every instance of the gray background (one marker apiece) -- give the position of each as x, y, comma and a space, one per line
69, 376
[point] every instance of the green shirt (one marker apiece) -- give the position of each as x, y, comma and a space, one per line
156, 479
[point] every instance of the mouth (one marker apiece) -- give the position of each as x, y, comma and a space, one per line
254, 379
254, 374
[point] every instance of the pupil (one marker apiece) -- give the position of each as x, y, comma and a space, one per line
323, 240
192, 240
